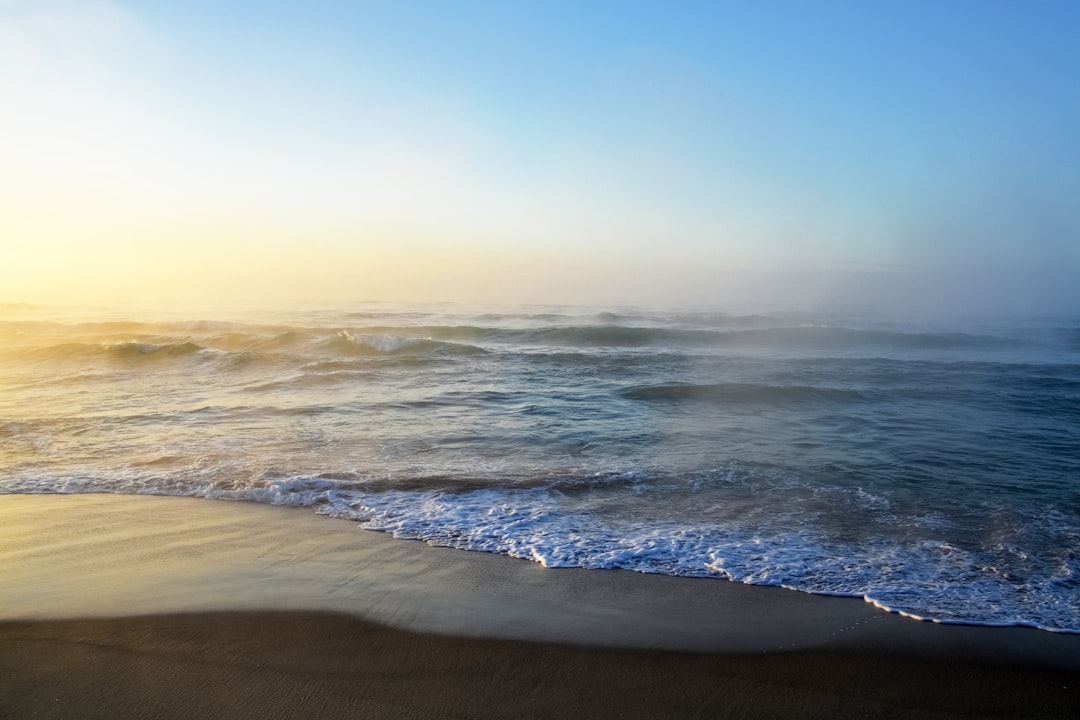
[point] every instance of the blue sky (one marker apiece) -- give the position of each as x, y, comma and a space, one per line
703, 153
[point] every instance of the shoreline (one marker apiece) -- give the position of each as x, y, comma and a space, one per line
99, 589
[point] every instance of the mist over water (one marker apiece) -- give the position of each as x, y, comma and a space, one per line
930, 467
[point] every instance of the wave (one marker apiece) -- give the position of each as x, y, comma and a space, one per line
128, 350
296, 348
137, 349
616, 335
620, 336
263, 343
836, 338
741, 393
415, 333
608, 335
925, 578
312, 380
384, 344
632, 318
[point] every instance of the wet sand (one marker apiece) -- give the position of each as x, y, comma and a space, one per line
119, 606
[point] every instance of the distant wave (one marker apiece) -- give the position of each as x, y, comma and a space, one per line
130, 349
619, 335
630, 318
246, 348
384, 344
118, 351
741, 393
605, 329
311, 380
614, 335
254, 342
825, 338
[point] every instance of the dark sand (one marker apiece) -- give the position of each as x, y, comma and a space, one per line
308, 665
194, 609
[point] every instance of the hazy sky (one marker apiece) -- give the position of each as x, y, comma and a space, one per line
902, 154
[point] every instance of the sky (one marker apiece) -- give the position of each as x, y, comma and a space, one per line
914, 156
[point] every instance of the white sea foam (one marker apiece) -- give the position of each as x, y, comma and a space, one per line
927, 580
380, 343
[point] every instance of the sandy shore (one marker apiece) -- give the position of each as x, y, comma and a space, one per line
306, 665
114, 606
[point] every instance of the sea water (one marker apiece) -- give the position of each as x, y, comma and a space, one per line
930, 468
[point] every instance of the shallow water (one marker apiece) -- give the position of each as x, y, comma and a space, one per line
931, 468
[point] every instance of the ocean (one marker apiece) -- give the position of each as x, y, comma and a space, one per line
932, 468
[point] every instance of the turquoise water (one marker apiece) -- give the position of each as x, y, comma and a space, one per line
933, 469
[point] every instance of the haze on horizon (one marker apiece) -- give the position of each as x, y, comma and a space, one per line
916, 157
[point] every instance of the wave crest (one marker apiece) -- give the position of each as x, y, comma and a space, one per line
384, 344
